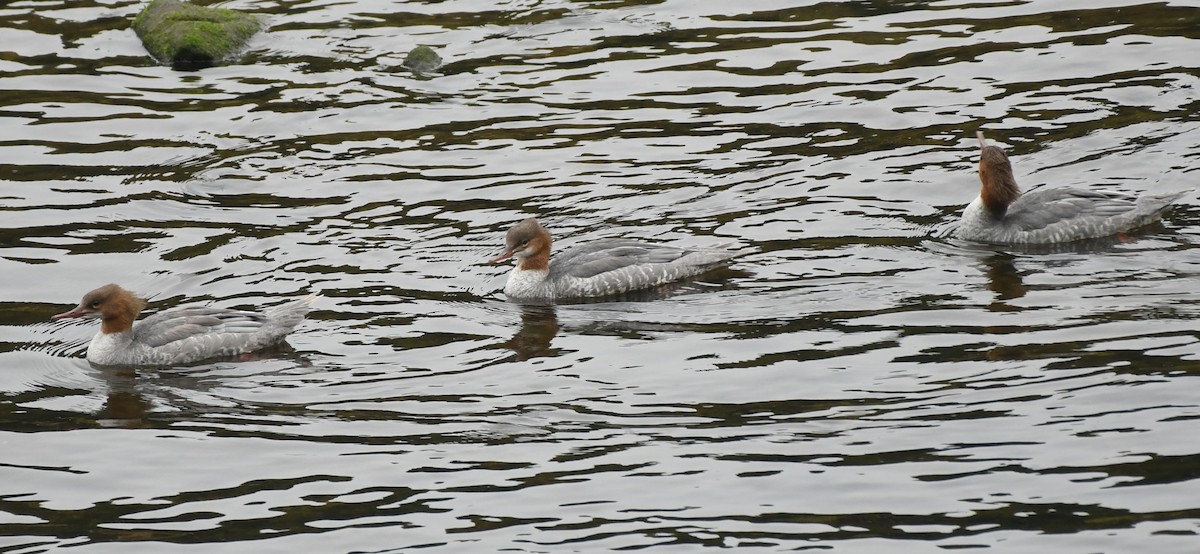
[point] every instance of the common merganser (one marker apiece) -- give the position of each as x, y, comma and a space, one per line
1001, 214
178, 335
598, 268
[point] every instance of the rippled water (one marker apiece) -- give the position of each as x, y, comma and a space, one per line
861, 383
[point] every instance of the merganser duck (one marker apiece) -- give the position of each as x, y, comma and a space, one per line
178, 335
1001, 214
598, 268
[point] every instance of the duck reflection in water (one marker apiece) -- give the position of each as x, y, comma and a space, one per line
539, 319
1004, 280
124, 407
135, 397
539, 324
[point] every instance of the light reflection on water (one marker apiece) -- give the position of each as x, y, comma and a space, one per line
861, 382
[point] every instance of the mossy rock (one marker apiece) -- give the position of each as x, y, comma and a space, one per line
422, 60
191, 37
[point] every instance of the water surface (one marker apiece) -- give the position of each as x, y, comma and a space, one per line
862, 382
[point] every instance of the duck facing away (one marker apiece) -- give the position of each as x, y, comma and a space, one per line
598, 268
1001, 214
178, 335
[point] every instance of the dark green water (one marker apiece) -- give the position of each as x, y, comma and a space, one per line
861, 383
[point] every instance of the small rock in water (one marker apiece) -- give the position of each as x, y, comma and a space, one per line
422, 59
193, 37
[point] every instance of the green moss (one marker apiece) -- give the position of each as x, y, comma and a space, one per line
190, 36
422, 59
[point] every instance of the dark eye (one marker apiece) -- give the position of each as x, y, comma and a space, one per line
525, 242
95, 304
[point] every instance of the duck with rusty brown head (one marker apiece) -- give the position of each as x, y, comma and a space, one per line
1046, 215
179, 335
598, 268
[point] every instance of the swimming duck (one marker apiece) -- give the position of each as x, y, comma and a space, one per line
178, 335
1001, 214
598, 268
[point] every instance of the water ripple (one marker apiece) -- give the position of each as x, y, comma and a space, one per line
861, 381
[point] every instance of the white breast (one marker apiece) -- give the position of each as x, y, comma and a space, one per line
112, 349
976, 223
528, 283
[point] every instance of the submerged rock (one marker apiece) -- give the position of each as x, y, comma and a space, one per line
192, 37
422, 59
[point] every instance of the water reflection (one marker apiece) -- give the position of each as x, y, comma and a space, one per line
1004, 280
866, 382
539, 325
539, 320
124, 405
